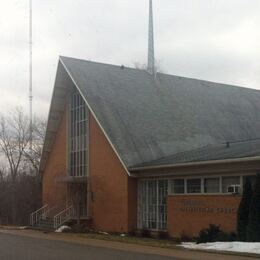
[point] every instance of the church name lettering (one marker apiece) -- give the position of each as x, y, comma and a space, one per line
200, 207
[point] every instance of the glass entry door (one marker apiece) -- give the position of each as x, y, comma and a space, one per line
152, 204
77, 197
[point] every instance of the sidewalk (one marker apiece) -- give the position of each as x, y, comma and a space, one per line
80, 239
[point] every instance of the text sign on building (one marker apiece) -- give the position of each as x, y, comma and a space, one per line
198, 206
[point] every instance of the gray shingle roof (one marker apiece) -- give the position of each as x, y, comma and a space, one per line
147, 120
210, 153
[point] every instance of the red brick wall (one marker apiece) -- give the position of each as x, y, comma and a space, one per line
189, 214
132, 204
114, 198
113, 204
54, 192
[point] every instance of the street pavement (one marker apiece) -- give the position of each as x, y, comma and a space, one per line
36, 245
13, 247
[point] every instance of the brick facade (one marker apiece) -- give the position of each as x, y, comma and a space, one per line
113, 194
187, 215
114, 198
53, 191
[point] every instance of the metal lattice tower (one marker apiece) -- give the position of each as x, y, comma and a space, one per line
30, 74
151, 59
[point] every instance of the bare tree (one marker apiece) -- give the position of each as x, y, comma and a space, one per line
143, 66
4, 208
33, 155
14, 139
20, 185
2, 173
140, 66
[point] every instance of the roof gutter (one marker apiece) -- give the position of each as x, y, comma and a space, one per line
176, 165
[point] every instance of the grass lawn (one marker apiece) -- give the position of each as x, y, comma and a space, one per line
163, 243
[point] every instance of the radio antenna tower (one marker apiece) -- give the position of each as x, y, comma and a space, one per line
30, 76
151, 59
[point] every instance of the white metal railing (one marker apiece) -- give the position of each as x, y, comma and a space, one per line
63, 216
39, 214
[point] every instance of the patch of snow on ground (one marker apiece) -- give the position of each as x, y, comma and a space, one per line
103, 233
62, 229
25, 227
244, 247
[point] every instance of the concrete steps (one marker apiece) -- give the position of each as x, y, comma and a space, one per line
46, 224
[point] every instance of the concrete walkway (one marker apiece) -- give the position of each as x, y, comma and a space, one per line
129, 249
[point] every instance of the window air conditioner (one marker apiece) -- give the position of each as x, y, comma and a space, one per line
233, 189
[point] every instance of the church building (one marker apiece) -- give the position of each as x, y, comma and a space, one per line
126, 151
129, 149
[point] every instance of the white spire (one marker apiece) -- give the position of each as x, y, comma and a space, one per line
151, 60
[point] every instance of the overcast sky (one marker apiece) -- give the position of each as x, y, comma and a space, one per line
216, 40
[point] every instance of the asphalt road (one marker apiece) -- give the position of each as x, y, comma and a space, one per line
13, 247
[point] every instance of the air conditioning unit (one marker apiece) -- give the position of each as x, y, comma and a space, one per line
233, 189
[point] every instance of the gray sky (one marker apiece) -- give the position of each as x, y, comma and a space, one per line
216, 40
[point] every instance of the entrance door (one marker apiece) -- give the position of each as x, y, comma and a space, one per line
152, 205
77, 197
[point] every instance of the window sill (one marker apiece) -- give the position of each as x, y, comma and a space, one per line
206, 194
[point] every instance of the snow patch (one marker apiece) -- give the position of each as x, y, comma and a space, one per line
242, 247
62, 229
22, 228
103, 233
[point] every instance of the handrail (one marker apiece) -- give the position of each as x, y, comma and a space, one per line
63, 216
37, 215
50, 211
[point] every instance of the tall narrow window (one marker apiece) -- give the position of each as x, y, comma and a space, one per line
152, 204
78, 131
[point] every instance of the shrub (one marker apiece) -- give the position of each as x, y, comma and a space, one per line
243, 211
214, 234
78, 228
209, 234
163, 235
133, 233
186, 238
145, 233
253, 229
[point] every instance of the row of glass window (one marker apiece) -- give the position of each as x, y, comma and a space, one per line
78, 171
76, 101
78, 158
78, 136
152, 207
78, 143
206, 185
78, 114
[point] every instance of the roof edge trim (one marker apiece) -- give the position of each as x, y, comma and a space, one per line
243, 159
94, 115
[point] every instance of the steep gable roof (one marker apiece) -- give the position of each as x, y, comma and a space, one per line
147, 119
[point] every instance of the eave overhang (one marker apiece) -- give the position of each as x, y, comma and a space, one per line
140, 171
